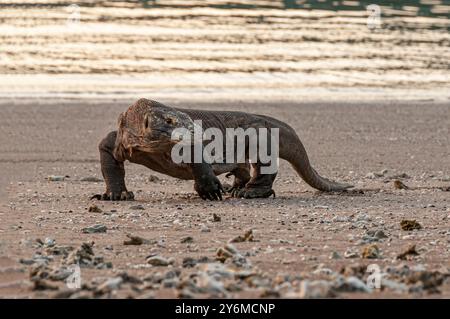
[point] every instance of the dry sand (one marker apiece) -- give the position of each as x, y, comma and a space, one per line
363, 102
295, 232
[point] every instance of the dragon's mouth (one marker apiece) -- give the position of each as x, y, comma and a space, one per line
150, 147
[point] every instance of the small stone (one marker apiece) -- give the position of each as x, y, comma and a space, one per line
56, 178
27, 261
137, 207
216, 218
350, 254
409, 225
135, 240
49, 242
170, 283
335, 255
351, 284
356, 270
159, 261
187, 240
373, 175
371, 252
110, 285
99, 228
363, 217
313, 290
370, 175
410, 251
41, 284
400, 185
205, 229
340, 219
189, 262
392, 285
323, 271
228, 251
153, 179
248, 236
380, 234
94, 209
373, 236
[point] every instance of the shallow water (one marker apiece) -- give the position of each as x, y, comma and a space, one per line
197, 47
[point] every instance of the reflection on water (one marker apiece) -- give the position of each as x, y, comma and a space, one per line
438, 8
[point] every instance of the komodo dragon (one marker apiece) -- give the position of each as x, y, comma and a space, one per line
144, 137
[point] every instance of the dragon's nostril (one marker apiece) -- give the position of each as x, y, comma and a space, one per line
146, 121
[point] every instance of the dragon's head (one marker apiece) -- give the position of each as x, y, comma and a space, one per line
147, 126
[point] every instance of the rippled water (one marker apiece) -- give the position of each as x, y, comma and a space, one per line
198, 46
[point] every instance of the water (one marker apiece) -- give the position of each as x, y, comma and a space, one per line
424, 8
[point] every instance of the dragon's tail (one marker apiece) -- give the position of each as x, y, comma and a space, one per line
294, 152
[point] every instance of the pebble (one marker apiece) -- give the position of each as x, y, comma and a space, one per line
350, 284
248, 236
153, 179
363, 217
409, 225
393, 285
410, 251
340, 219
313, 290
323, 271
135, 240
41, 284
373, 175
350, 254
205, 229
94, 209
56, 178
98, 228
49, 242
335, 255
137, 207
187, 240
110, 285
159, 261
371, 252
400, 185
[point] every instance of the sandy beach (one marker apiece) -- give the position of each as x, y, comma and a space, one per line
295, 233
371, 107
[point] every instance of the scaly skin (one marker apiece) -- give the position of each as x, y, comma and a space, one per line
144, 137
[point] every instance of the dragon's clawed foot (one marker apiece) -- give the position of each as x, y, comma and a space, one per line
253, 193
115, 196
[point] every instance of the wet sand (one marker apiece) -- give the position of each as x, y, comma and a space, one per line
199, 49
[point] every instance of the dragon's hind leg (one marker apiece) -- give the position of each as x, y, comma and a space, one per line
259, 185
241, 178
